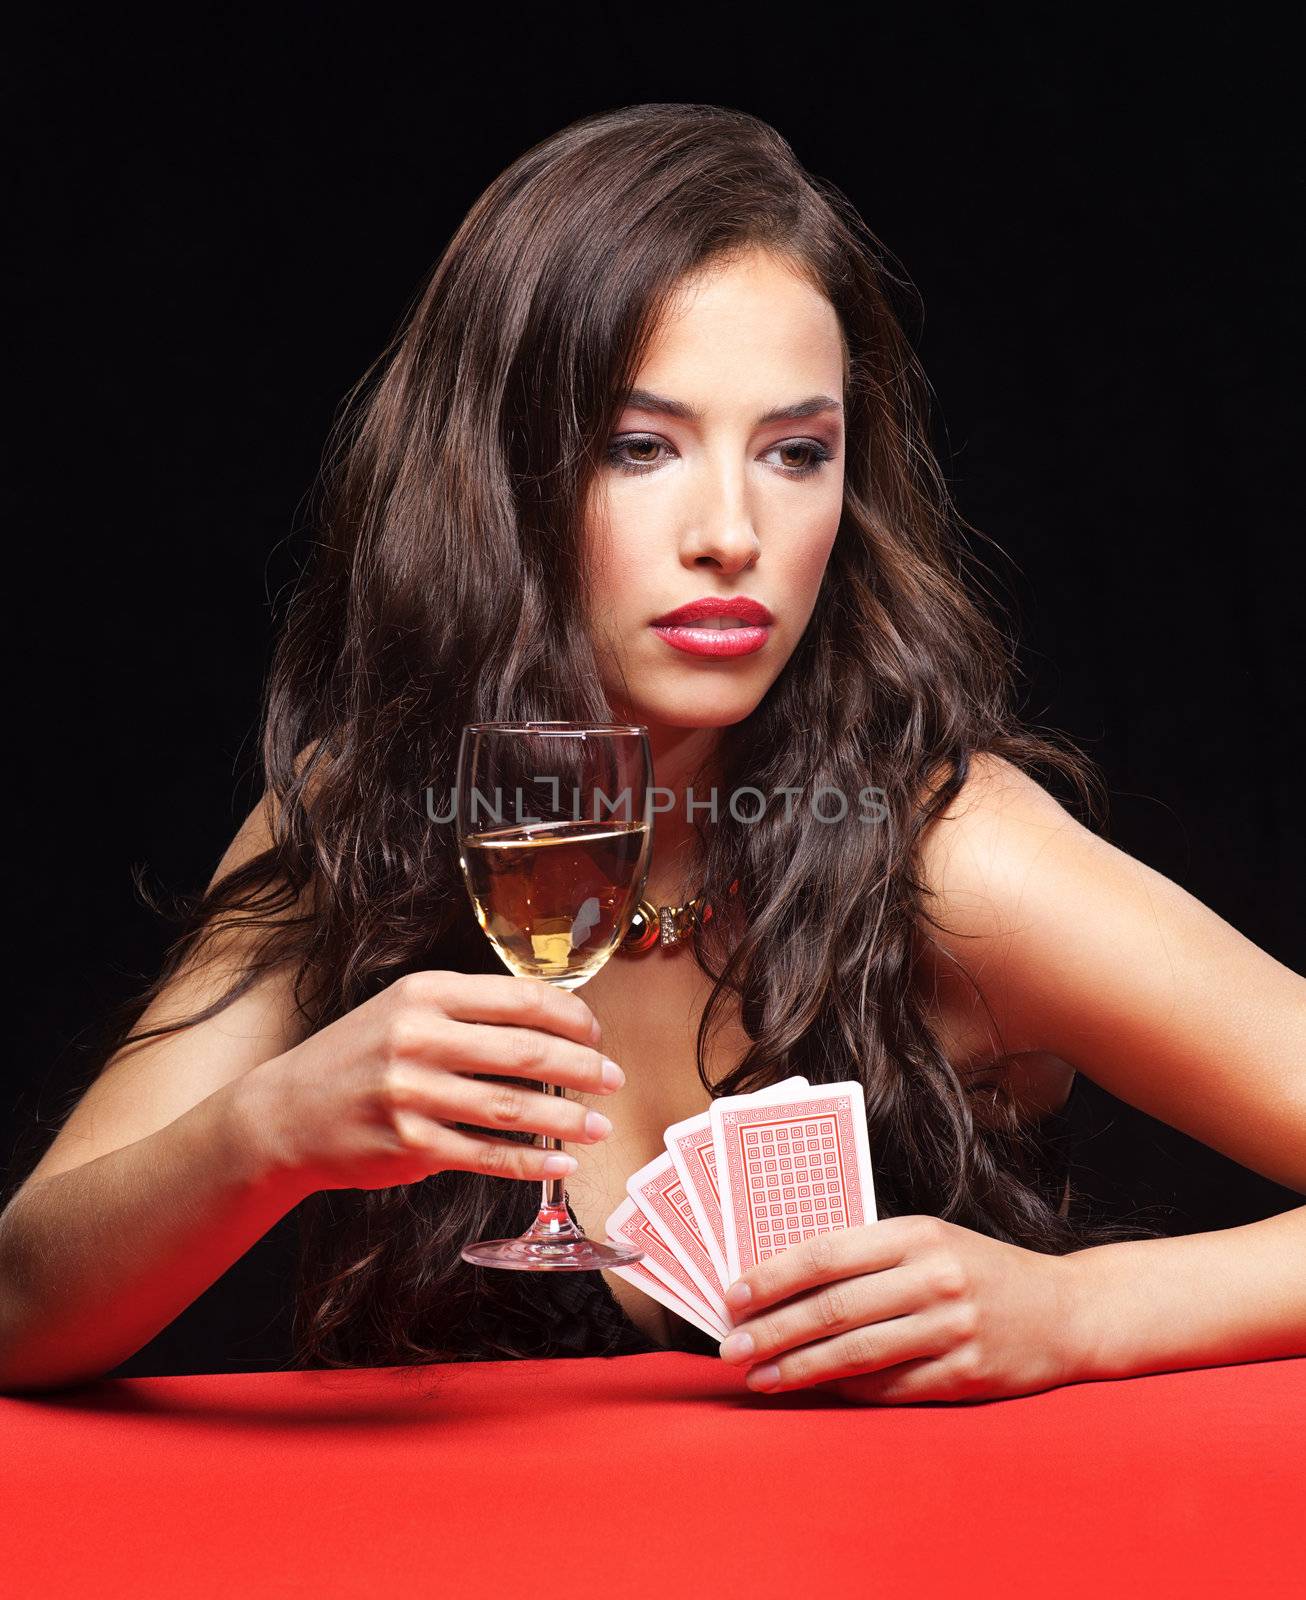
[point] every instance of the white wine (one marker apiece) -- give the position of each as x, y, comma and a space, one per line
555, 898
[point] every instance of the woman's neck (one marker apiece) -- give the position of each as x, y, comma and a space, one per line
685, 771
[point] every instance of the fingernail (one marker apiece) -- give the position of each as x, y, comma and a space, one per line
597, 1125
738, 1347
738, 1295
763, 1377
557, 1166
613, 1076
596, 1033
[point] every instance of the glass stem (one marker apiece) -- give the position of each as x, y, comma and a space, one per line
554, 1220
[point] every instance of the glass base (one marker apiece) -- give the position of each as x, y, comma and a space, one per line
553, 1244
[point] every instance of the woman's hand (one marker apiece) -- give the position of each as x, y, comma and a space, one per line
908, 1308
370, 1101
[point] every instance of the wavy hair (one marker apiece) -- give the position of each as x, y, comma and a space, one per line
448, 586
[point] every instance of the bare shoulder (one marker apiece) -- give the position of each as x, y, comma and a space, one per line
975, 862
997, 789
979, 854
1080, 950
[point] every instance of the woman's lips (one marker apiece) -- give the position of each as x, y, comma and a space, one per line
733, 640
720, 625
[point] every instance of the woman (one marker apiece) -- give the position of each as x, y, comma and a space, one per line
658, 364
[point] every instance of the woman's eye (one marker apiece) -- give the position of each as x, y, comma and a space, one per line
641, 464
816, 455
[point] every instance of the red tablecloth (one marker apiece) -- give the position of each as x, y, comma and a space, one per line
650, 1475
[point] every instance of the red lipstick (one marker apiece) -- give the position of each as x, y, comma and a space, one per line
735, 626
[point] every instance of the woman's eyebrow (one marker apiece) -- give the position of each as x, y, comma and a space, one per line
646, 400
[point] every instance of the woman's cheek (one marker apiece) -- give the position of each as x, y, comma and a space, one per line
811, 560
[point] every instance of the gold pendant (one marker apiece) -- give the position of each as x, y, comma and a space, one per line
667, 926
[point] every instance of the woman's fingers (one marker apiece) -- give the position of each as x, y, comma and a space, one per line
469, 1152
527, 1053
834, 1308
920, 1335
511, 1051
491, 998
483, 1023
449, 1097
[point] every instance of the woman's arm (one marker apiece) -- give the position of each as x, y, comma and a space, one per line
155, 1183
1088, 953
1080, 951
1154, 1305
188, 1147
97, 1258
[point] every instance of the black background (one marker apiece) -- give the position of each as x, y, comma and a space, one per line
214, 232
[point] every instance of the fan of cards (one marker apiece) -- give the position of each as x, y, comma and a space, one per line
753, 1175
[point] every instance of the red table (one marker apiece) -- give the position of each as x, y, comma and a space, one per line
648, 1476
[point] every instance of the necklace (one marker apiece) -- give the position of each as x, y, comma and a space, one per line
665, 926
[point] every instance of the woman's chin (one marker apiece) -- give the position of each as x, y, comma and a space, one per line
685, 714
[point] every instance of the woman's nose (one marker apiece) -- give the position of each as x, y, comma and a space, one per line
722, 533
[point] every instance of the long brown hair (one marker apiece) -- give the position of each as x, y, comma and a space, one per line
448, 586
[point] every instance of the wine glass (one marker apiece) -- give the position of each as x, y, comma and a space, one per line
554, 836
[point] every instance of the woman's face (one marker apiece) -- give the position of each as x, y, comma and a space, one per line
709, 495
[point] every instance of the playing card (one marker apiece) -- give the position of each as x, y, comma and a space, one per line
788, 1168
636, 1273
693, 1154
629, 1225
751, 1176
659, 1193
